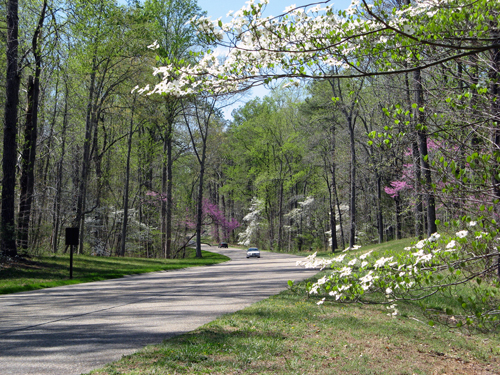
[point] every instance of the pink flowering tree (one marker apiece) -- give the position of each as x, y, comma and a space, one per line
213, 216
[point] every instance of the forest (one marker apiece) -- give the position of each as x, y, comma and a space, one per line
373, 130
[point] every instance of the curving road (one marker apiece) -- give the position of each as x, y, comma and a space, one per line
76, 328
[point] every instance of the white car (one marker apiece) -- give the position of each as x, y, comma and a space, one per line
253, 252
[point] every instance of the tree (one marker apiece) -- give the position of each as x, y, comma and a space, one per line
8, 241
177, 39
27, 180
198, 118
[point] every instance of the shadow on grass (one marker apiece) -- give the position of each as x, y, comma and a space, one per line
52, 271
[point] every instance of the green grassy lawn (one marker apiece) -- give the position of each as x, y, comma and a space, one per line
49, 271
290, 334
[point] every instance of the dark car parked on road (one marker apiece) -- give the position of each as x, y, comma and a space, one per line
223, 244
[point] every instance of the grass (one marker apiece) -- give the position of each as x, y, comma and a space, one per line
50, 271
290, 334
287, 334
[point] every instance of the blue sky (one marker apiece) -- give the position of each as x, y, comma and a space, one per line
218, 8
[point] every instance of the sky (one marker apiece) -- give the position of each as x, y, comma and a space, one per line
219, 8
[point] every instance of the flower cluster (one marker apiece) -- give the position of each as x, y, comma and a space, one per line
312, 42
427, 267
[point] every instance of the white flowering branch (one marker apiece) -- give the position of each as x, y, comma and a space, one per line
309, 41
429, 267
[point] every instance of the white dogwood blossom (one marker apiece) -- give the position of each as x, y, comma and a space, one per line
310, 42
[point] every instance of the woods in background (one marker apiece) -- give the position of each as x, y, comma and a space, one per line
328, 163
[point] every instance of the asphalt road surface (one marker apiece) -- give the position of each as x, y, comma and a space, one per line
76, 328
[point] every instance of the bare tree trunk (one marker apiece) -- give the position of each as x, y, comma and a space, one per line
56, 219
44, 171
127, 183
163, 203
352, 197
418, 223
341, 223
27, 168
280, 216
202, 115
495, 134
28, 156
167, 180
332, 191
82, 188
169, 197
422, 145
8, 226
199, 208
380, 219
397, 202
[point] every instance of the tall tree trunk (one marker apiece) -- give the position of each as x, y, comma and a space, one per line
280, 213
85, 163
170, 180
397, 202
380, 219
127, 182
8, 228
28, 156
422, 145
199, 209
44, 172
56, 219
27, 168
495, 134
167, 180
332, 191
417, 208
341, 223
203, 120
163, 203
352, 197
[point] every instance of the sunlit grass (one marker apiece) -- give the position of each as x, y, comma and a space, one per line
290, 334
50, 271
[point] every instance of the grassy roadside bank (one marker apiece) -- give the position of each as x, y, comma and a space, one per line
290, 334
287, 334
50, 271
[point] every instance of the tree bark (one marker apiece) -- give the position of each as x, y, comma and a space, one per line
380, 219
397, 202
82, 188
352, 197
26, 182
127, 183
332, 191
9, 159
422, 145
28, 156
495, 132
56, 219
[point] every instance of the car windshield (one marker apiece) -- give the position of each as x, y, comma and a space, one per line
253, 249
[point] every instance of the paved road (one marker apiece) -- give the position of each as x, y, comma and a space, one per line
76, 328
